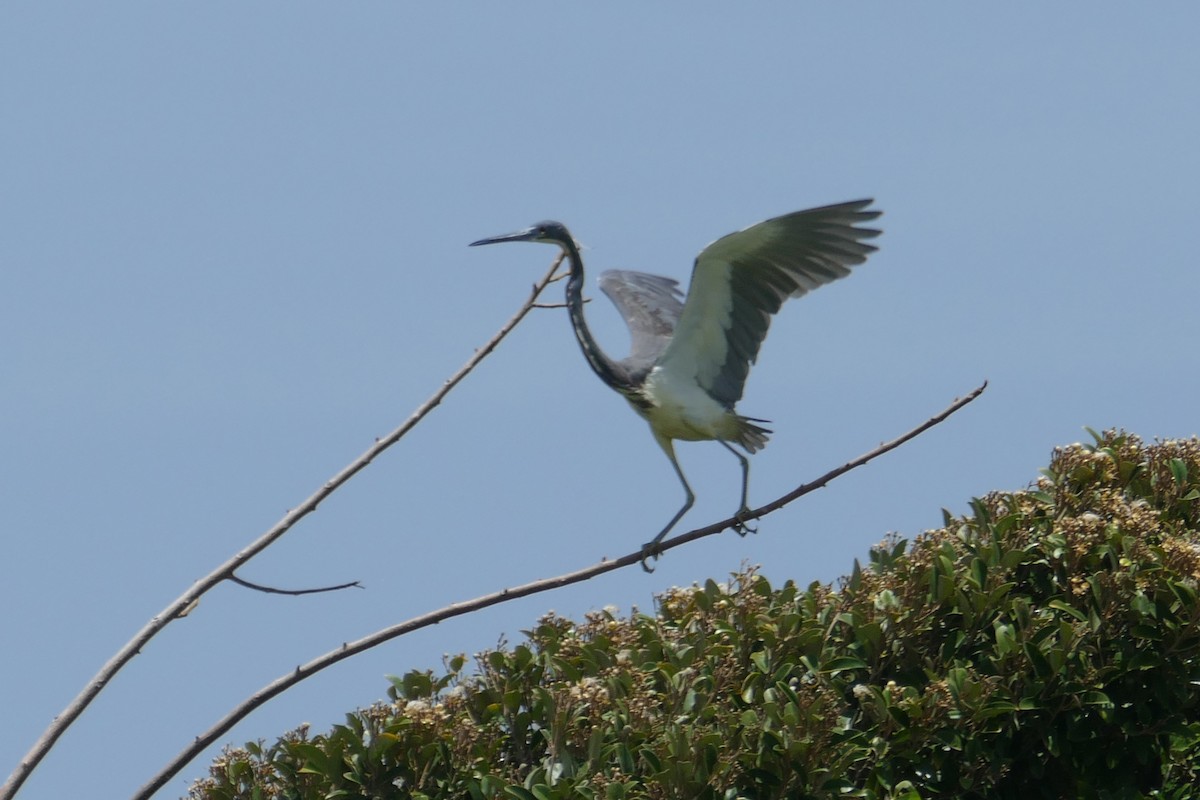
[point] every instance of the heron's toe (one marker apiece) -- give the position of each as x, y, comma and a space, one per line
650, 550
742, 523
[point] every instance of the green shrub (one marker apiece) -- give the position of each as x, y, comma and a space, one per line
1045, 646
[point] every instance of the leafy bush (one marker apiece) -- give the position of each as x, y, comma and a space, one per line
1045, 646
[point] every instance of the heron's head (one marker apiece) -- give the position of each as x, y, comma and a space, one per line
547, 231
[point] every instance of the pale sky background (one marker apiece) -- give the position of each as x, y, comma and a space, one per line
234, 253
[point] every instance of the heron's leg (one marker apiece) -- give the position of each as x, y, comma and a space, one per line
742, 526
650, 548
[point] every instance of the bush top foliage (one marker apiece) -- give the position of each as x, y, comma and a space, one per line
1046, 645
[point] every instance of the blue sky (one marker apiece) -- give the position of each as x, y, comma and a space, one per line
234, 253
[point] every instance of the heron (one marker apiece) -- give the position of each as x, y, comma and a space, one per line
689, 358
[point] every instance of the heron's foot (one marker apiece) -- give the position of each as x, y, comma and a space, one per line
742, 524
650, 550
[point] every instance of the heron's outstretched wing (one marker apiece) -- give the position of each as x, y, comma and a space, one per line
740, 280
651, 305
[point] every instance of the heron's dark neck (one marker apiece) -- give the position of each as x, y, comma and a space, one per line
609, 371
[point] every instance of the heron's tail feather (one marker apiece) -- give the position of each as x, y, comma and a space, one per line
750, 436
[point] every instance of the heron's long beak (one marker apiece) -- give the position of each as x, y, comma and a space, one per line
527, 235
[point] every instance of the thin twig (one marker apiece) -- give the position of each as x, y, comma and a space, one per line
187, 600
258, 587
284, 682
558, 305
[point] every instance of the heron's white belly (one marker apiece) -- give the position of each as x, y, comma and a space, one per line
682, 410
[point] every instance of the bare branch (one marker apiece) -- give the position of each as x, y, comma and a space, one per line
821, 482
258, 587
185, 602
281, 684
558, 305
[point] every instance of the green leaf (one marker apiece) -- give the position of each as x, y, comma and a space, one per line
1068, 609
996, 708
1006, 640
1038, 659
625, 758
842, 663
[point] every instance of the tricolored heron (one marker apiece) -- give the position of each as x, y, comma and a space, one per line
690, 358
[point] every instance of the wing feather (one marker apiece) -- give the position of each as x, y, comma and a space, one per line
740, 280
650, 306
